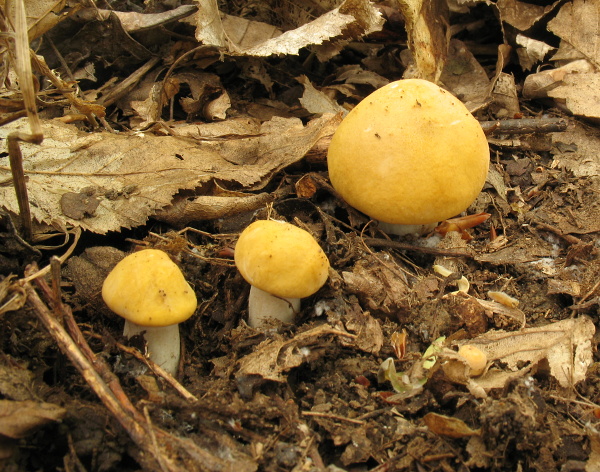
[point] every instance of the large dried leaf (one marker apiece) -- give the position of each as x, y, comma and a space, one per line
351, 20
273, 357
42, 15
579, 94
18, 418
566, 346
103, 182
577, 23
522, 15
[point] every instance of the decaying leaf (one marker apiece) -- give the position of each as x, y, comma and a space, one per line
132, 177
464, 76
532, 51
351, 20
273, 357
565, 345
18, 418
578, 93
448, 426
382, 287
577, 23
522, 15
503, 315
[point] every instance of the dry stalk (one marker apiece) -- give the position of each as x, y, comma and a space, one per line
158, 449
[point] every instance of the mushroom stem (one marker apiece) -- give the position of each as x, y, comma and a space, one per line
163, 343
262, 306
405, 230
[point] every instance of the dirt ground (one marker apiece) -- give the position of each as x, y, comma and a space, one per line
367, 378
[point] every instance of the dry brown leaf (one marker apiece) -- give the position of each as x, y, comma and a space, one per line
579, 94
522, 15
315, 101
583, 156
465, 77
539, 85
532, 51
273, 357
133, 22
577, 23
16, 382
448, 426
42, 15
380, 288
351, 20
593, 462
18, 418
565, 345
133, 177
367, 330
502, 315
185, 210
505, 97
12, 295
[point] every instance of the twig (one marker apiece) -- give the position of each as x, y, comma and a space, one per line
375, 242
319, 414
569, 238
184, 392
525, 126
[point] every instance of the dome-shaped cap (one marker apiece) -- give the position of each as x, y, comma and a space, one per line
148, 289
281, 259
410, 153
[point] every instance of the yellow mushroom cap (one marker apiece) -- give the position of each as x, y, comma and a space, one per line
475, 358
148, 289
409, 153
281, 259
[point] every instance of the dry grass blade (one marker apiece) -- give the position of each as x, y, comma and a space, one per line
22, 64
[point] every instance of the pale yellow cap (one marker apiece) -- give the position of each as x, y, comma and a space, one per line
281, 259
148, 289
409, 153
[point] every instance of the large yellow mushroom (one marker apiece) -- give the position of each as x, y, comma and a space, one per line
409, 155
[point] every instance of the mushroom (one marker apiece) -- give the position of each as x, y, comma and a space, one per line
149, 290
282, 263
475, 358
409, 155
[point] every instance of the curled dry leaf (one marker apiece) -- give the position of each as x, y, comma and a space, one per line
273, 357
351, 20
381, 287
565, 345
448, 426
577, 23
12, 295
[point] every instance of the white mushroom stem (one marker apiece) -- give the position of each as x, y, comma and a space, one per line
263, 306
163, 343
405, 230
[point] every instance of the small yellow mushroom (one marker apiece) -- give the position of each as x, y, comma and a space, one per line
476, 359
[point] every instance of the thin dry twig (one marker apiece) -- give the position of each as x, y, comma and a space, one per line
168, 453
